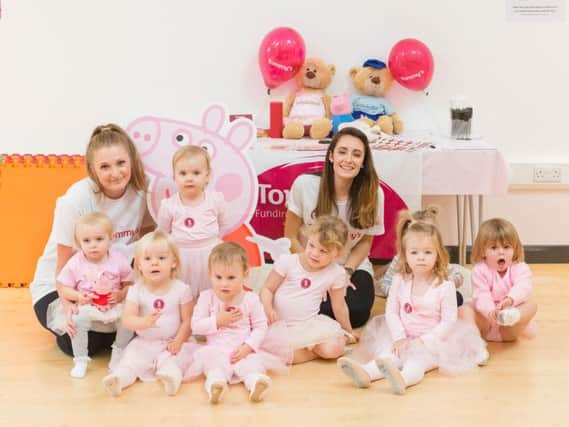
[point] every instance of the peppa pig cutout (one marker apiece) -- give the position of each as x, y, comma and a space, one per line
232, 172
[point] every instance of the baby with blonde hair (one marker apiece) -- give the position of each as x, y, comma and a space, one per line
158, 308
96, 279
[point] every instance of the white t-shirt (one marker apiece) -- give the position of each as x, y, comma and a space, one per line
302, 201
128, 215
167, 325
299, 296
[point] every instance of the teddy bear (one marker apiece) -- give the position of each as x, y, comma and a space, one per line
372, 81
307, 111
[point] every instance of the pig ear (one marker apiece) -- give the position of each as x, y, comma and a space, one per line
213, 118
241, 134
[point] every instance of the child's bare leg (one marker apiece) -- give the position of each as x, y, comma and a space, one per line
468, 314
302, 355
331, 349
527, 313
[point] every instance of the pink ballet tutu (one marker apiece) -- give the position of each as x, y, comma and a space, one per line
274, 355
144, 356
194, 268
461, 350
311, 332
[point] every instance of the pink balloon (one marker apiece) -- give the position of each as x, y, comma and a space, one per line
411, 64
281, 55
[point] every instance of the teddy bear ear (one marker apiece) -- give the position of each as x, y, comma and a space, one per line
354, 71
332, 69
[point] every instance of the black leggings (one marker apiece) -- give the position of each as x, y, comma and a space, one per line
359, 301
97, 340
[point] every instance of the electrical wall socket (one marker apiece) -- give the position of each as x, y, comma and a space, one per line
547, 174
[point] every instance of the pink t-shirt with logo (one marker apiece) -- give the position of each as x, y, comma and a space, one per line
299, 296
192, 224
83, 275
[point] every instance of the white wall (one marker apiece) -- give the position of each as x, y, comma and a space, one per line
68, 65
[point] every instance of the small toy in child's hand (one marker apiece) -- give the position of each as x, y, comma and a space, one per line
158, 304
100, 299
102, 288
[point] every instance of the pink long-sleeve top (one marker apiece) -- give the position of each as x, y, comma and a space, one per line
489, 288
250, 329
428, 317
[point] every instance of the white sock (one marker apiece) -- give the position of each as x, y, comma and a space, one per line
372, 370
80, 366
171, 377
112, 385
508, 316
116, 354
215, 378
258, 385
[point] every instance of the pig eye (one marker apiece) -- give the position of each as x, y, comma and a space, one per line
209, 147
182, 138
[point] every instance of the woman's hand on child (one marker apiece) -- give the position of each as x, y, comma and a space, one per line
70, 310
150, 320
506, 302
174, 346
226, 318
400, 346
242, 352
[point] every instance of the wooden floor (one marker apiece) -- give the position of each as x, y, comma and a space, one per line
524, 384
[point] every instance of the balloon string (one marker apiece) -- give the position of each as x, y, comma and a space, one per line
268, 91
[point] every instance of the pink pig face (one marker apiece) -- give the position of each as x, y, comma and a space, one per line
341, 104
232, 173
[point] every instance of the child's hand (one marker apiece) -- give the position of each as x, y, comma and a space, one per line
400, 346
493, 316
271, 315
84, 298
242, 352
351, 337
226, 318
118, 296
151, 319
174, 346
506, 302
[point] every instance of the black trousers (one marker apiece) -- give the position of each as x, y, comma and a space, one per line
97, 340
359, 300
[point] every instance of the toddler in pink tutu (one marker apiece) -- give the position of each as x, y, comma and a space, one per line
194, 216
95, 278
501, 284
298, 283
158, 308
419, 330
238, 347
